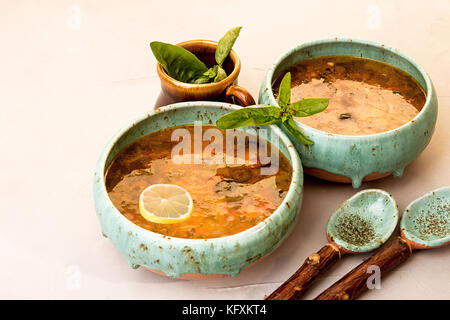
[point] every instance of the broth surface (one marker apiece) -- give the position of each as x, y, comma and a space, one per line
366, 96
227, 198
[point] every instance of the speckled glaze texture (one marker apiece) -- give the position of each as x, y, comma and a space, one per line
356, 157
426, 220
374, 206
176, 257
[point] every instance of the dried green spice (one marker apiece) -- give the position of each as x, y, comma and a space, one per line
434, 224
354, 230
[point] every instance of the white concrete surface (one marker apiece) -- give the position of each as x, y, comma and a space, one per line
68, 82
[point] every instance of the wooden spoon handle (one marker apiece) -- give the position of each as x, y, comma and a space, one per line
354, 283
296, 286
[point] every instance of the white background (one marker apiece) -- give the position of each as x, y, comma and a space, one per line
69, 82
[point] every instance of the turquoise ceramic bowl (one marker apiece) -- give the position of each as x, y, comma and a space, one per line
344, 158
193, 258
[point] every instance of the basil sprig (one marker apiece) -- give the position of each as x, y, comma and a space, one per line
225, 44
178, 62
263, 114
184, 66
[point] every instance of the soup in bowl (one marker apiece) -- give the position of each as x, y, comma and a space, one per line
382, 109
245, 200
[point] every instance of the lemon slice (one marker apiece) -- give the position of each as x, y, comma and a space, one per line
165, 203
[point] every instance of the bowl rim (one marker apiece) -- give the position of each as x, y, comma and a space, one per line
291, 196
429, 90
214, 85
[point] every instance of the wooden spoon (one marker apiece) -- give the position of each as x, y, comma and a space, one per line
425, 224
361, 224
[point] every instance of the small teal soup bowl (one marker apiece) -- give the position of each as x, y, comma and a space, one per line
354, 159
194, 258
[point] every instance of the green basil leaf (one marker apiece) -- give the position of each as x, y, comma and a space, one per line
225, 44
308, 107
286, 114
211, 73
202, 80
290, 125
178, 62
284, 92
221, 74
249, 116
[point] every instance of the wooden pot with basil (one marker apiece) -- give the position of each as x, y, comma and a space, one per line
199, 70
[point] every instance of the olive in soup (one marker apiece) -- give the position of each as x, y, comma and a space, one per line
366, 96
229, 196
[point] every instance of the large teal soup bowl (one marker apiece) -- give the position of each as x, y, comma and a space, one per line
354, 159
194, 258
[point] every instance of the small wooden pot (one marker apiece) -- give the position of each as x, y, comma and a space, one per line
225, 90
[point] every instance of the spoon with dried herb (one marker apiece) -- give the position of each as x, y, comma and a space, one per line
425, 224
361, 224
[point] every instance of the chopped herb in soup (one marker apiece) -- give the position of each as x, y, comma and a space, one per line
366, 96
228, 198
